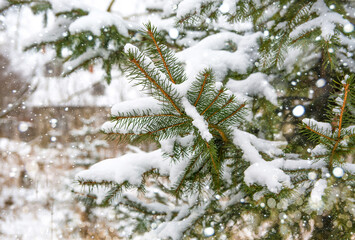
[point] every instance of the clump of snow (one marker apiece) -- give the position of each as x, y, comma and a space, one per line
265, 174
349, 167
251, 145
89, 54
227, 171
129, 167
3, 3
302, 164
108, 127
326, 20
319, 150
189, 6
186, 140
167, 145
210, 53
130, 47
256, 84
177, 169
198, 121
315, 200
293, 56
175, 229
68, 5
326, 127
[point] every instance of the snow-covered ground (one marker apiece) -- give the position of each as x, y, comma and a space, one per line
36, 201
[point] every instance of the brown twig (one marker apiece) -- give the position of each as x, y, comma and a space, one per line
218, 110
346, 90
202, 87
241, 106
110, 6
320, 134
221, 133
215, 99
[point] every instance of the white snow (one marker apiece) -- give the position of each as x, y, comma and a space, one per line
251, 145
129, 167
68, 5
326, 20
177, 169
256, 84
349, 167
261, 172
209, 53
3, 3
322, 126
189, 7
137, 105
198, 121
319, 150
174, 229
96, 20
89, 54
302, 164
265, 174
130, 47
315, 200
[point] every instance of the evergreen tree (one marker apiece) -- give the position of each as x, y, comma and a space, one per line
215, 110
213, 161
80, 36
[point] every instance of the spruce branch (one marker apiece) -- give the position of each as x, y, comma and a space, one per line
151, 34
303, 36
213, 101
137, 63
232, 114
223, 107
187, 171
220, 131
164, 58
315, 132
144, 133
148, 116
140, 207
318, 133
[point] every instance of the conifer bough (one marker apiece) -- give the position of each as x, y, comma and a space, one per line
207, 164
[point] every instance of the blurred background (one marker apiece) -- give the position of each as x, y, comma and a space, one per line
50, 130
